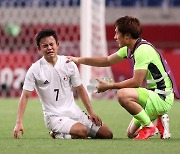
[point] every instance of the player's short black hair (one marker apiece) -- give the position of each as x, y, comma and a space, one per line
45, 33
129, 25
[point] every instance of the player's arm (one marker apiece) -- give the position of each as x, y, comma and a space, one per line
86, 101
134, 82
97, 61
21, 109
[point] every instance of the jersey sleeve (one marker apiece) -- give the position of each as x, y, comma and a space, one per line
141, 57
74, 75
29, 82
122, 52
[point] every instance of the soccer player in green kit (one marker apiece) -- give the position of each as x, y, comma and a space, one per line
144, 104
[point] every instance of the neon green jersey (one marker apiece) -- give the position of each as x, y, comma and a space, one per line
146, 57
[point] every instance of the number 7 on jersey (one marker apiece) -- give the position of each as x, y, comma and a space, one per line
57, 93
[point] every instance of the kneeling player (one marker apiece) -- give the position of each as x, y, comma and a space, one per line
53, 79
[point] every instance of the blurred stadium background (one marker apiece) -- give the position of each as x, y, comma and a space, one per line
20, 20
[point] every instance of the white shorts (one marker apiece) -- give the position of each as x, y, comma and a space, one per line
63, 124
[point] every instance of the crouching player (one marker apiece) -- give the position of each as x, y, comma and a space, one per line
144, 104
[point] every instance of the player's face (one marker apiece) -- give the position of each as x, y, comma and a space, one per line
48, 47
120, 39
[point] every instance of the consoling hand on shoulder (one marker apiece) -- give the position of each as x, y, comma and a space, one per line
71, 58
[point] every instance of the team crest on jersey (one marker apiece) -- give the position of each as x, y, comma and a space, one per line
65, 78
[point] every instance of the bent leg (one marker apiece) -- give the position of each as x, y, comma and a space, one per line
104, 133
64, 127
132, 129
61, 127
94, 131
129, 99
78, 130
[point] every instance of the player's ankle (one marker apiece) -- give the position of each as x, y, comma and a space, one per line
150, 125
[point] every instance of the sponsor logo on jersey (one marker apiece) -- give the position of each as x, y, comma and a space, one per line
46, 82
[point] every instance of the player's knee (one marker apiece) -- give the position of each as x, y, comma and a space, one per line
121, 95
79, 130
130, 135
109, 135
104, 133
83, 132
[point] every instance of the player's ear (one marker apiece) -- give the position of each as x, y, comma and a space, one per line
58, 44
127, 36
38, 48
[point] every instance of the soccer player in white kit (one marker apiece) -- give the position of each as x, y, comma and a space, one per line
53, 80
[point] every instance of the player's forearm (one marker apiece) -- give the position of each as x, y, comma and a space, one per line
87, 105
129, 83
21, 108
99, 61
85, 99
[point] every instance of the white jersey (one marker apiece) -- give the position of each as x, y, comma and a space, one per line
53, 85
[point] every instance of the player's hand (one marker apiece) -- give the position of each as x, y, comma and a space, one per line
102, 86
19, 127
70, 58
94, 118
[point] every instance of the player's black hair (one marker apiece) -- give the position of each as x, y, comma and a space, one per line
129, 25
45, 33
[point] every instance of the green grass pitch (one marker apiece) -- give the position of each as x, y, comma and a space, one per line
36, 139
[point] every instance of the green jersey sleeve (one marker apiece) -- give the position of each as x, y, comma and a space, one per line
122, 52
